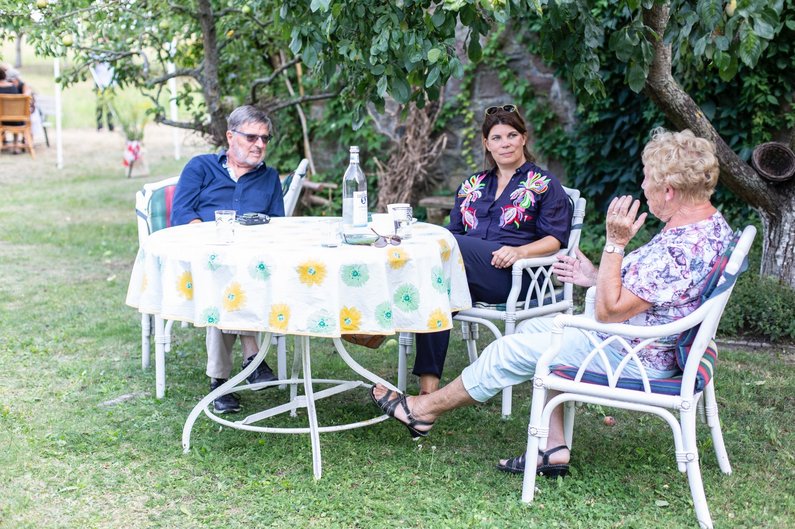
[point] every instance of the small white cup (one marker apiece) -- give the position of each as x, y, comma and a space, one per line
383, 224
225, 226
331, 235
402, 218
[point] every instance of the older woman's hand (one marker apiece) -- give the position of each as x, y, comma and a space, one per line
621, 222
578, 270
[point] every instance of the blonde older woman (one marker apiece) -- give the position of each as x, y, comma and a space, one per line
655, 284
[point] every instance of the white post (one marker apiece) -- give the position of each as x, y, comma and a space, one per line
172, 87
56, 71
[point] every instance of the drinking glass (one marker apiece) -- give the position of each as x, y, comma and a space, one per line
225, 226
402, 218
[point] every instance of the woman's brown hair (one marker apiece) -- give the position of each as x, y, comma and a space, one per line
511, 119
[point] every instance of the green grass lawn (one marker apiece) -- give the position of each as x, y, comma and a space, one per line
72, 458
68, 344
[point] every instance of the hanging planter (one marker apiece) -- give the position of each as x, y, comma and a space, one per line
774, 161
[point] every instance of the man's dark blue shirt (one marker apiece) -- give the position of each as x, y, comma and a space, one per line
205, 186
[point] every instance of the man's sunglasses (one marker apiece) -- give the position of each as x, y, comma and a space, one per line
252, 138
383, 240
504, 108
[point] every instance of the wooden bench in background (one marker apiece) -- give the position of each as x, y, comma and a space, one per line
437, 207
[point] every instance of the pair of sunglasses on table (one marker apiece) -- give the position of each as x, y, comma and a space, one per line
380, 242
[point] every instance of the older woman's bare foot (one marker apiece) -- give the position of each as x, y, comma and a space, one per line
404, 409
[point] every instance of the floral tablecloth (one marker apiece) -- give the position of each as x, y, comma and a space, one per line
278, 277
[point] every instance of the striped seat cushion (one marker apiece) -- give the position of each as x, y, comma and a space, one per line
706, 367
160, 208
667, 386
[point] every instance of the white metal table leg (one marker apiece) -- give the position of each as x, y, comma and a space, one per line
160, 357
314, 436
146, 333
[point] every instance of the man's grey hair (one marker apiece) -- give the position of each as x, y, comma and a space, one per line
248, 114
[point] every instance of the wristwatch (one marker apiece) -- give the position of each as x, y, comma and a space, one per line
612, 248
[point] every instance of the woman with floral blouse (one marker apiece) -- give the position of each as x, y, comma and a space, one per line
513, 210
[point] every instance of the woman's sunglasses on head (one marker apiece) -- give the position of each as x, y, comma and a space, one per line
504, 108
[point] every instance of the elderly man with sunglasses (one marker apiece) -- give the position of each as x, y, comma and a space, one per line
238, 179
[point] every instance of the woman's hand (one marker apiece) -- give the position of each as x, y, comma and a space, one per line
621, 224
506, 256
578, 270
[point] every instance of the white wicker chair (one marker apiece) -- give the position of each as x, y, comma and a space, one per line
544, 297
696, 353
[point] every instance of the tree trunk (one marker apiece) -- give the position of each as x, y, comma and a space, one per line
775, 202
18, 50
209, 76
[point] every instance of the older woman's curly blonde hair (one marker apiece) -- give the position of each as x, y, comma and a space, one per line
682, 161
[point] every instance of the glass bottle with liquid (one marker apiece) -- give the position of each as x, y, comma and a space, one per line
354, 194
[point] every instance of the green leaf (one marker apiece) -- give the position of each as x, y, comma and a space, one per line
309, 55
728, 74
434, 54
790, 24
438, 18
399, 89
763, 29
456, 68
382, 86
750, 48
636, 77
710, 14
773, 100
474, 51
433, 76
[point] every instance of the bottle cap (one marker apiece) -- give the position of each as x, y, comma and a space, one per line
354, 148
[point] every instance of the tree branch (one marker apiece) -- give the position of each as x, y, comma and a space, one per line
267, 80
187, 125
299, 100
683, 112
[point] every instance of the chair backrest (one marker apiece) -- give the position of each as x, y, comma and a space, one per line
15, 108
153, 206
45, 106
543, 290
291, 187
696, 352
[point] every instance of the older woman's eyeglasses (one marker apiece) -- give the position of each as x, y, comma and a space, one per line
252, 138
383, 240
504, 108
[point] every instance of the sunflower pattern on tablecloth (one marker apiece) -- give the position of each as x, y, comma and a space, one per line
437, 279
213, 262
350, 319
321, 322
211, 316
291, 289
383, 315
234, 297
311, 273
279, 317
407, 298
438, 320
397, 257
185, 285
355, 275
445, 250
259, 270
